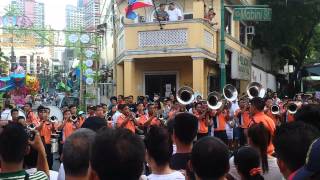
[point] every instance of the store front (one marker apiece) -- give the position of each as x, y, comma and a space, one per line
164, 83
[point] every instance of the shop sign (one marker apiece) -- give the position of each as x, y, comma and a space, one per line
240, 67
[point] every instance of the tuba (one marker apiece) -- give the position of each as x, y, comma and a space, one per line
215, 100
185, 95
55, 114
255, 89
275, 109
292, 108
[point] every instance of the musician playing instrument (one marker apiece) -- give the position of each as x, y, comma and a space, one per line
287, 115
150, 118
31, 118
221, 117
268, 111
68, 126
203, 119
127, 120
73, 110
243, 116
46, 128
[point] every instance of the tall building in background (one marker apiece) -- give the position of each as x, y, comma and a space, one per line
31, 10
74, 18
92, 14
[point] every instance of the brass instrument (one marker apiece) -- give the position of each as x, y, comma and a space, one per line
74, 118
275, 109
31, 127
185, 95
215, 100
292, 108
255, 89
53, 119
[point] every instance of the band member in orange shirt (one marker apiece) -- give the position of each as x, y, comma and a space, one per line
268, 111
68, 126
150, 119
243, 116
46, 128
126, 120
31, 118
256, 109
203, 120
220, 118
288, 117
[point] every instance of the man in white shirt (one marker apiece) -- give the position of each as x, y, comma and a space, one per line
174, 13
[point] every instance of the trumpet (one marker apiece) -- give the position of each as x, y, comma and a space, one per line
292, 108
53, 119
255, 89
74, 118
275, 109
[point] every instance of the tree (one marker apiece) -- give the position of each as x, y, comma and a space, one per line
292, 34
3, 62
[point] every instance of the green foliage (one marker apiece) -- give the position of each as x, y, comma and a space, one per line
293, 34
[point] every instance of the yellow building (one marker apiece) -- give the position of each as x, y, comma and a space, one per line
150, 60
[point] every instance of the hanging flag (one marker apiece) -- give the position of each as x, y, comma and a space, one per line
136, 4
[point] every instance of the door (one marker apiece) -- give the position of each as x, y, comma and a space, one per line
163, 85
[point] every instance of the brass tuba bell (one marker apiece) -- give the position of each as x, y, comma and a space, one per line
255, 89
185, 95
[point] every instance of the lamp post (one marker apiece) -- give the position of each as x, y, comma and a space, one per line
222, 48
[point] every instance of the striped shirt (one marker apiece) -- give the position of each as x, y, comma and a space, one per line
22, 175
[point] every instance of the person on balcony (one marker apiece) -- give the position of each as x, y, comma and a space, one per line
174, 13
161, 14
210, 17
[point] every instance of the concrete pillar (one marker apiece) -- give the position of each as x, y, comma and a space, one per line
129, 78
198, 75
119, 79
198, 9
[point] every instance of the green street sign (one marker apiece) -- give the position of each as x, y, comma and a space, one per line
252, 14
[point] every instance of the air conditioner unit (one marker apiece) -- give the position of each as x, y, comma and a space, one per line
250, 30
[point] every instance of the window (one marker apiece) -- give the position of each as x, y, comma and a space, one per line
242, 34
227, 21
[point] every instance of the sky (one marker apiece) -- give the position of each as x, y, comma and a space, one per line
54, 11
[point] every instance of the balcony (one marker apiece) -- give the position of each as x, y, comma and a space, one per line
192, 37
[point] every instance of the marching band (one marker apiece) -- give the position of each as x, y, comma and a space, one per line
223, 115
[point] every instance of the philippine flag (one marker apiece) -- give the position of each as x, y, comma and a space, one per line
136, 4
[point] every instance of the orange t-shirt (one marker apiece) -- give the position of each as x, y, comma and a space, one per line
221, 122
45, 132
32, 118
129, 125
244, 118
68, 129
202, 126
260, 117
171, 115
290, 117
154, 122
272, 116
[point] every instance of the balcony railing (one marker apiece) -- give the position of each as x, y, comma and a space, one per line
194, 35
